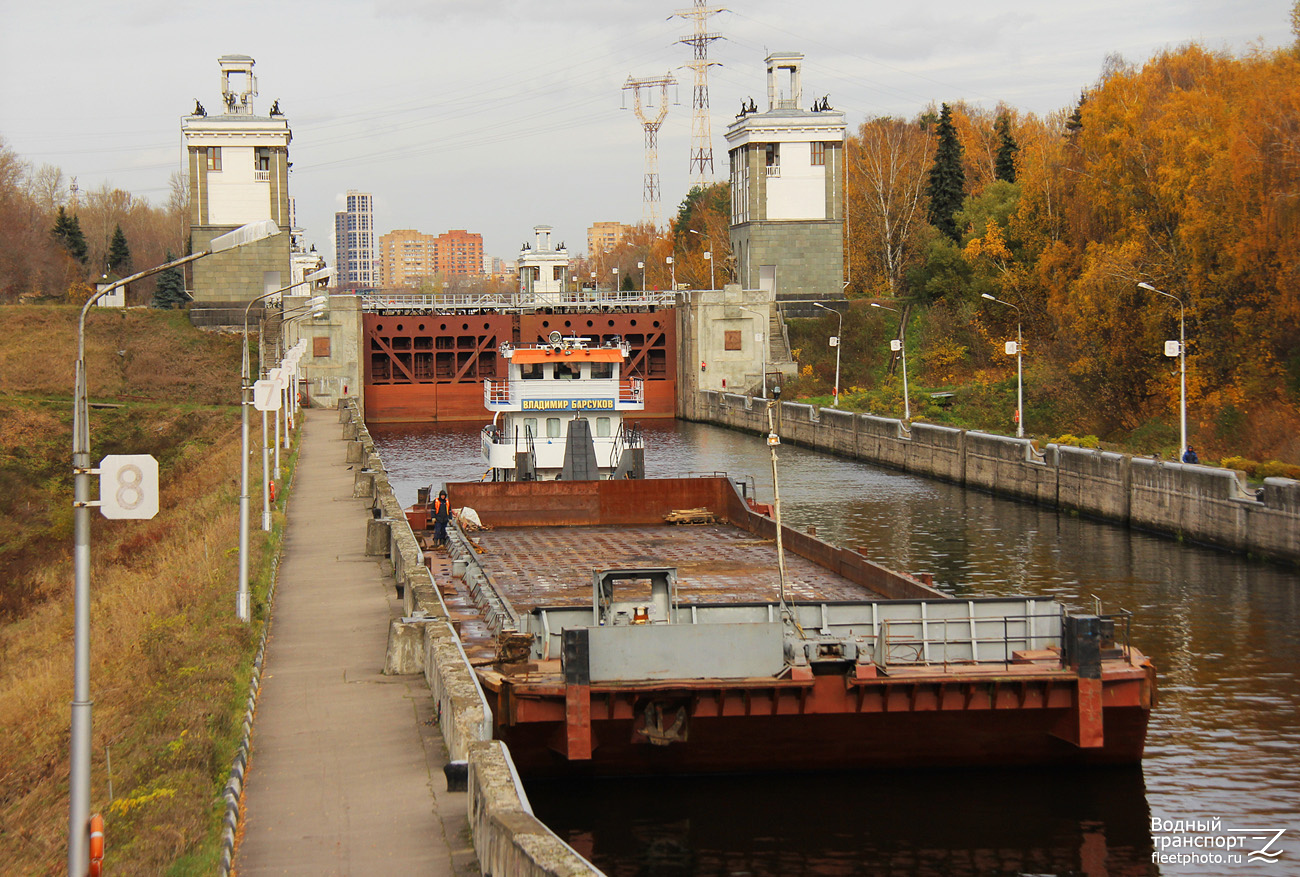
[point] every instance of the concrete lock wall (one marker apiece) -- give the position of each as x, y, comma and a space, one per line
508, 838
1199, 503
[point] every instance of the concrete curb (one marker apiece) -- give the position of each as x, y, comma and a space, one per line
1200, 503
507, 837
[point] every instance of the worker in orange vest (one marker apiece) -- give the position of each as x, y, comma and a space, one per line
441, 515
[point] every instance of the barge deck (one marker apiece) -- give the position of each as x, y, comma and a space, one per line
609, 642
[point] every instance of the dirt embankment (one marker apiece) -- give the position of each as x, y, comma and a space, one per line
168, 656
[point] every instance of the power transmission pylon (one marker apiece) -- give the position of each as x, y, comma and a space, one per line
650, 193
701, 129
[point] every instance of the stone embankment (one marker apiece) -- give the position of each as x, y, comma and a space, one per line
508, 838
1197, 503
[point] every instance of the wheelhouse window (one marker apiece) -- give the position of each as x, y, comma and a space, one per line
602, 370
531, 371
566, 371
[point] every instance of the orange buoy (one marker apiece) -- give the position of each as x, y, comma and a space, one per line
272, 491
96, 845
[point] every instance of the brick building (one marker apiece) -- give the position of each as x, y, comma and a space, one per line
411, 258
603, 237
407, 258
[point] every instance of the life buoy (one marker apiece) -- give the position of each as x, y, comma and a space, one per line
96, 845
272, 491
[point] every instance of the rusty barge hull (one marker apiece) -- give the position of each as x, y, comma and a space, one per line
886, 670
823, 725
430, 367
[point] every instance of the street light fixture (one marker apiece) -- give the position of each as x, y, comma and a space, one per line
708, 257
79, 748
1020, 384
762, 343
899, 345
837, 342
1182, 367
242, 600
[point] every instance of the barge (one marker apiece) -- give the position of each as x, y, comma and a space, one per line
629, 626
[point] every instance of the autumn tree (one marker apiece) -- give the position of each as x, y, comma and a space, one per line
702, 225
947, 182
886, 181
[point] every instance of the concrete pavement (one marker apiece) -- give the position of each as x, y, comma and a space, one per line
346, 769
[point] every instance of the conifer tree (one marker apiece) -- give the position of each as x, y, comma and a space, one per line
76, 241
1075, 122
119, 254
67, 231
1004, 166
947, 178
170, 291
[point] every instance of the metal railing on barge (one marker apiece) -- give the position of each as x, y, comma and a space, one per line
936, 634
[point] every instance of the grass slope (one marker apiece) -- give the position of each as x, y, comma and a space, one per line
169, 662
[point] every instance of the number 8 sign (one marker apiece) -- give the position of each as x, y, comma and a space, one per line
128, 486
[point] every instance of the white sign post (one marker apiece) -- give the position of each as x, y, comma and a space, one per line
128, 487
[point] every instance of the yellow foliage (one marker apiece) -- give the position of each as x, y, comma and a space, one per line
992, 245
124, 806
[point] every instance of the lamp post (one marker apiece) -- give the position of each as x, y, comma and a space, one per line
80, 739
641, 265
672, 266
313, 277
615, 272
312, 308
708, 256
837, 342
1182, 367
1020, 384
902, 351
762, 343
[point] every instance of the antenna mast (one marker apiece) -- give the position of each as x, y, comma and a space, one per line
701, 129
650, 194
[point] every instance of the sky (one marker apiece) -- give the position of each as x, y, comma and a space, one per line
498, 115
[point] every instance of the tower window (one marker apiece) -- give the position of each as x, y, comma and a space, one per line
214, 158
818, 153
264, 158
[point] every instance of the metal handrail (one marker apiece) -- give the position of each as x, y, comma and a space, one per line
920, 644
378, 302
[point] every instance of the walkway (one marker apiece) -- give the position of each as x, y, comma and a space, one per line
346, 768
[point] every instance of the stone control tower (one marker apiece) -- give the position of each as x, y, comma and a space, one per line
787, 189
238, 166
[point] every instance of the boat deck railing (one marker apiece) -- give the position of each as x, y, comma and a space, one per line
893, 633
631, 391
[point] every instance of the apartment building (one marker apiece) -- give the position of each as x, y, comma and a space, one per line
603, 237
354, 242
411, 258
